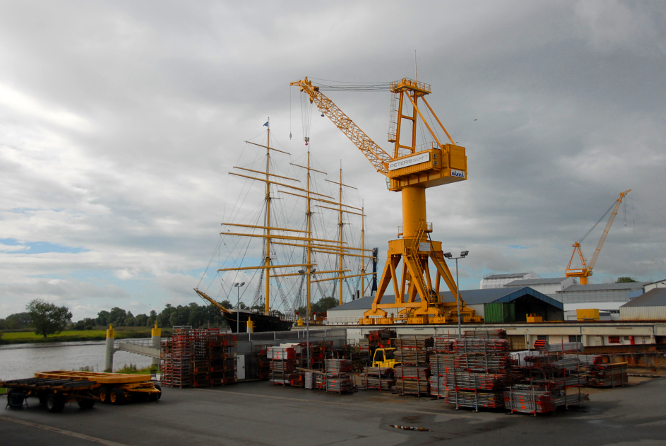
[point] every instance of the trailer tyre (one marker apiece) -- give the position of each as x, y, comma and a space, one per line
55, 403
117, 396
159, 395
104, 394
86, 404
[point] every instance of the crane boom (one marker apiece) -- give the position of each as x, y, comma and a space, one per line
585, 270
375, 154
606, 229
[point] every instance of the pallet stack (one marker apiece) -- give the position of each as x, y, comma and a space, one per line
412, 352
176, 356
550, 379
475, 370
198, 358
221, 353
283, 365
608, 375
337, 377
378, 378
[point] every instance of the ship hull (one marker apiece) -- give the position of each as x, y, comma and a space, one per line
261, 322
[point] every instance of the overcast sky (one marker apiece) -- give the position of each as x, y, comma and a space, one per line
120, 120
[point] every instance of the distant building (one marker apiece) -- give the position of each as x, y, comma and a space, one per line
603, 296
549, 287
499, 280
526, 301
653, 285
650, 306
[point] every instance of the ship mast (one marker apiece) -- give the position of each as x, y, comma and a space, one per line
267, 258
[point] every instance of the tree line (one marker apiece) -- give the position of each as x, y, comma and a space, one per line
47, 318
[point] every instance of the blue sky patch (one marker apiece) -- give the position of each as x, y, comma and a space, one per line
39, 247
518, 247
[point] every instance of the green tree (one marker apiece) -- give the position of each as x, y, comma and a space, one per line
17, 321
48, 318
624, 280
141, 320
103, 318
117, 316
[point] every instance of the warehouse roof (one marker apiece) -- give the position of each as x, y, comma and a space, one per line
528, 282
471, 297
653, 298
629, 286
506, 276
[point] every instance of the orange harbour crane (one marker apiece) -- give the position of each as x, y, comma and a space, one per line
585, 270
410, 170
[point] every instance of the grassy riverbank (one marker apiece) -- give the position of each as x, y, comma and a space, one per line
29, 337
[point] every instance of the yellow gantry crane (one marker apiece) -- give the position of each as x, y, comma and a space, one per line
585, 270
410, 170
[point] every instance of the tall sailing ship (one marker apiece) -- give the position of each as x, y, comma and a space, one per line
332, 258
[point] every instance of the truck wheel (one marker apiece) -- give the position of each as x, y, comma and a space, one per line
86, 404
159, 395
42, 398
117, 396
104, 395
55, 402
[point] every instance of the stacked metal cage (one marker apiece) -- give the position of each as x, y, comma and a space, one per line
337, 378
472, 371
198, 358
413, 372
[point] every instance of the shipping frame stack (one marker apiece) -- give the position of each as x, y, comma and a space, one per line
337, 377
176, 356
413, 373
198, 358
378, 378
548, 377
283, 365
223, 357
477, 370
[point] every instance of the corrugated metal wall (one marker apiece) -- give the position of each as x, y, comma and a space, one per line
643, 313
574, 297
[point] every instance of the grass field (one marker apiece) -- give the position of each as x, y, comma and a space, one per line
23, 337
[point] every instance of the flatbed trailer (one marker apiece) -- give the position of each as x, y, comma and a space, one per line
53, 393
114, 388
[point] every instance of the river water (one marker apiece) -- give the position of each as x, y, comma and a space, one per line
23, 360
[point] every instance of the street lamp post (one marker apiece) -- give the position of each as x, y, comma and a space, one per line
448, 255
238, 285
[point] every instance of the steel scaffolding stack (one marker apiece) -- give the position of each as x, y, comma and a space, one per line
337, 378
473, 371
198, 358
414, 369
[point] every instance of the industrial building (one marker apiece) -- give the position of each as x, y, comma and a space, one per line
650, 306
603, 296
499, 280
549, 286
526, 301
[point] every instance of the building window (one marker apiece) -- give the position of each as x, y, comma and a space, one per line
542, 338
613, 339
575, 338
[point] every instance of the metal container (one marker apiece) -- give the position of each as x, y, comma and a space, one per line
499, 312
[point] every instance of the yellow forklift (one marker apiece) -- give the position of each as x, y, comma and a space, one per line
384, 357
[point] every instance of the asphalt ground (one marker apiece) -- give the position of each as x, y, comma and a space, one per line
260, 414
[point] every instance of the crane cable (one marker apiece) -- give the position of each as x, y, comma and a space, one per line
598, 221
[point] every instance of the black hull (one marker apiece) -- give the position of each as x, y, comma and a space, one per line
261, 322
